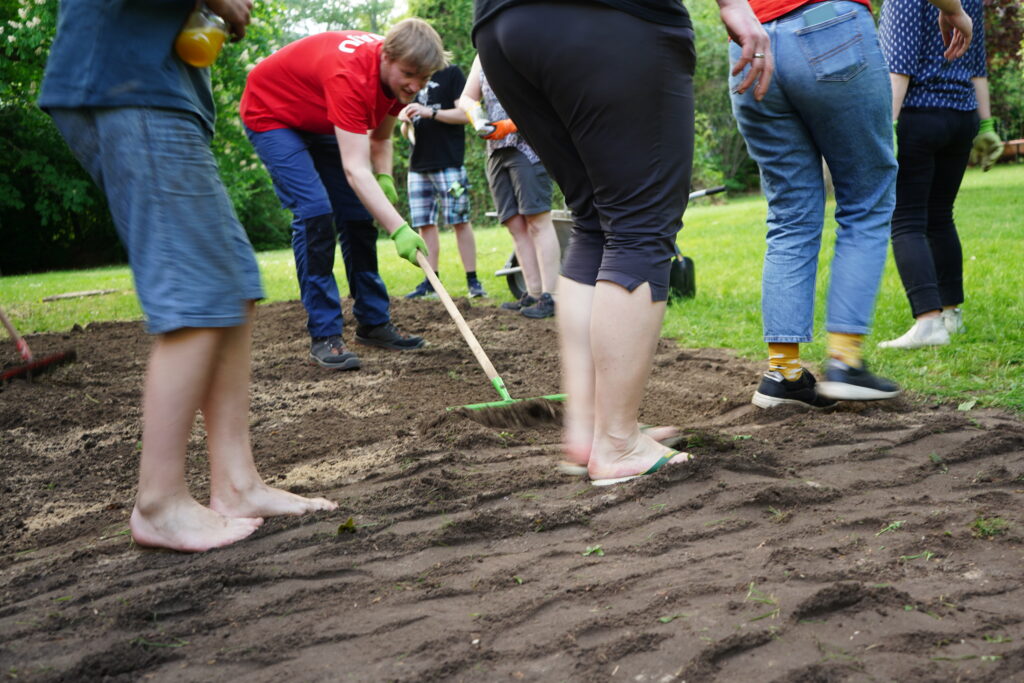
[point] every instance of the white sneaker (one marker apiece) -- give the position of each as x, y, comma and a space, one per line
927, 332
953, 319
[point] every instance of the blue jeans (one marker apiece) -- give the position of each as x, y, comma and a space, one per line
830, 97
310, 182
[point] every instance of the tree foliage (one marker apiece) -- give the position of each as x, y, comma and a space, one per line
1004, 42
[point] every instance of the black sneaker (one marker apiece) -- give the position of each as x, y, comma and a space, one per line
544, 308
524, 301
776, 390
330, 352
424, 290
476, 290
844, 383
387, 336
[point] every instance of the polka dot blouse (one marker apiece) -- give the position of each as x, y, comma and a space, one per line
910, 38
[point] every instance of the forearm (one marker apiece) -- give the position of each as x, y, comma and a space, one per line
455, 116
900, 83
981, 94
381, 155
365, 185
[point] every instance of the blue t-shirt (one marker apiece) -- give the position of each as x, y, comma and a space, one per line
120, 53
912, 44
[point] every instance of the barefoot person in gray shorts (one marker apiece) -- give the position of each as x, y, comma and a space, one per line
140, 121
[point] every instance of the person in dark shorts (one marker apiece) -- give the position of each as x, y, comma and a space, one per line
522, 194
604, 93
438, 182
140, 121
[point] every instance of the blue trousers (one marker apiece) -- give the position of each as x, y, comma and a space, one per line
830, 97
310, 182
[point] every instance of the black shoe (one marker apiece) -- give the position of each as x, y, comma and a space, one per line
387, 336
776, 390
424, 290
844, 383
544, 308
330, 352
524, 301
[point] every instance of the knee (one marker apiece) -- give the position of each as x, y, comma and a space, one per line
320, 244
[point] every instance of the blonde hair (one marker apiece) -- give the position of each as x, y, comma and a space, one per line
416, 43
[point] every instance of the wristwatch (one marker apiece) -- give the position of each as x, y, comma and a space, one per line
435, 107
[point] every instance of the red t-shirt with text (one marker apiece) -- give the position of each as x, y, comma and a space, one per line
766, 10
314, 84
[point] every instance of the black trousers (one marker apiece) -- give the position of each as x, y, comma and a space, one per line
934, 145
606, 101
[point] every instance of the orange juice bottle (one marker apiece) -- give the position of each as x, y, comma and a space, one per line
201, 39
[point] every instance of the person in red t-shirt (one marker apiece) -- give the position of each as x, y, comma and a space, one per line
320, 113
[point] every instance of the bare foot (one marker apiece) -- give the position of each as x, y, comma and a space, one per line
577, 457
189, 527
265, 501
634, 460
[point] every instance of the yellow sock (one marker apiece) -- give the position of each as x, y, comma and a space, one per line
785, 359
845, 347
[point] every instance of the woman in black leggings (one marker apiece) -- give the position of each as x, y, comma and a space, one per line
936, 106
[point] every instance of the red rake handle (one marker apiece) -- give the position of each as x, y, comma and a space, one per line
38, 365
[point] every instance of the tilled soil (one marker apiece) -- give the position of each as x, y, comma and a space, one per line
866, 542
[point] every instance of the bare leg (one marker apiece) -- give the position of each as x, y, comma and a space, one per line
430, 235
236, 489
467, 245
574, 323
526, 254
624, 330
549, 253
165, 514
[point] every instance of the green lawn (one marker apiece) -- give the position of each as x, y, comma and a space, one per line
727, 243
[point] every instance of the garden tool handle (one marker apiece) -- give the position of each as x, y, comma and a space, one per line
460, 322
26, 353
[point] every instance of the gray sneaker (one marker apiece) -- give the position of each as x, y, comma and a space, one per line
330, 352
953, 319
544, 308
524, 301
387, 336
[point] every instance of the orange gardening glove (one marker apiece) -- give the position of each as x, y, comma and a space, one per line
502, 129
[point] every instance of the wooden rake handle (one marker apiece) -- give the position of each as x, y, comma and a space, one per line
460, 322
26, 353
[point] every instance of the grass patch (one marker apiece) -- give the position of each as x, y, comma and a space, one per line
984, 366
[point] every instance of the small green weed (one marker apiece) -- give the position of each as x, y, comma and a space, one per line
989, 527
891, 526
754, 594
593, 550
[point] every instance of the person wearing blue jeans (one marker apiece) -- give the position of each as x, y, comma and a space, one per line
310, 182
830, 99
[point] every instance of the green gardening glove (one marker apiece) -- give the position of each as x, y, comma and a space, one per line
407, 243
895, 140
387, 183
987, 145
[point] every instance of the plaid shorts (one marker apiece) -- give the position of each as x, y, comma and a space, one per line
439, 192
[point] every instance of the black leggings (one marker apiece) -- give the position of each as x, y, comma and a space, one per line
934, 145
606, 100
